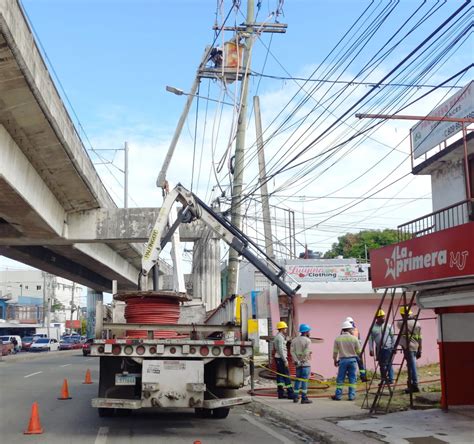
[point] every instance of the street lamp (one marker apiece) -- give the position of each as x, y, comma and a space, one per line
180, 92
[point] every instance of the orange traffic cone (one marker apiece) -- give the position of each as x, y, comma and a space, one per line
64, 391
34, 426
88, 379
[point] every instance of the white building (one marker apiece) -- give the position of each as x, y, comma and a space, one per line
23, 293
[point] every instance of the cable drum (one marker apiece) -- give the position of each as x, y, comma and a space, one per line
152, 310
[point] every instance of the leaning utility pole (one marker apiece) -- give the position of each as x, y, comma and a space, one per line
239, 158
267, 225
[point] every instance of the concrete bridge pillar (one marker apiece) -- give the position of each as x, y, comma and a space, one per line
92, 297
206, 270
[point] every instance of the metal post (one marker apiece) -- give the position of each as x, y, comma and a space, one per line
252, 369
236, 217
267, 226
160, 181
48, 311
125, 188
44, 299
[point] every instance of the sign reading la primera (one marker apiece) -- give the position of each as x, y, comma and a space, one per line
442, 255
328, 273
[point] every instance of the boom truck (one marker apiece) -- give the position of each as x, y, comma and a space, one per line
170, 365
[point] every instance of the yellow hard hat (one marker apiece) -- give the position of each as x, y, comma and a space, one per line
380, 313
404, 310
281, 324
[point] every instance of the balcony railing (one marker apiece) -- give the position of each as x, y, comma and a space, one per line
452, 216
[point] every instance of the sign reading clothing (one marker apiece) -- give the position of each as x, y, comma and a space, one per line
425, 135
328, 273
442, 255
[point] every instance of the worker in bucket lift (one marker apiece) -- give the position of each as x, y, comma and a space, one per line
410, 341
360, 363
383, 346
281, 358
345, 353
301, 354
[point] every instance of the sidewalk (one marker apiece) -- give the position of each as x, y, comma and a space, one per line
316, 420
327, 421
420, 426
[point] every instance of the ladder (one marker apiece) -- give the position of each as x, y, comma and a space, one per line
376, 392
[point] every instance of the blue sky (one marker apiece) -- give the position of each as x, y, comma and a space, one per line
114, 59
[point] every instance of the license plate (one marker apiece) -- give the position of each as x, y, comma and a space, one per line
125, 380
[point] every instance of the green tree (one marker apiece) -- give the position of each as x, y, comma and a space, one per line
354, 244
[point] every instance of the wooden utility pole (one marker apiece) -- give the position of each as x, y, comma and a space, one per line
236, 216
267, 226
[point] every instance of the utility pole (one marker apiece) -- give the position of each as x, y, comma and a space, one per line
236, 217
125, 188
267, 226
160, 181
72, 304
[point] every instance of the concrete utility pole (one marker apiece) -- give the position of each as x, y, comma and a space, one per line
267, 226
236, 217
125, 171
72, 304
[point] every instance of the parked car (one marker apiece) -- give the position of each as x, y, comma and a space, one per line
44, 344
86, 347
69, 344
26, 342
6, 348
12, 339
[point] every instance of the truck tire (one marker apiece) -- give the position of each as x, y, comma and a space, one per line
105, 413
202, 413
220, 413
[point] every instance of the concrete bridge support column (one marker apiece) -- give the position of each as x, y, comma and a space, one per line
206, 270
92, 297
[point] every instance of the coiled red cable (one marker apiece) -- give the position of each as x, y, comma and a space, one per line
291, 364
152, 310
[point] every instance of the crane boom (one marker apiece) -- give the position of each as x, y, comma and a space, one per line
193, 209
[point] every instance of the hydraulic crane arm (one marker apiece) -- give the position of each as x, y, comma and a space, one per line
192, 209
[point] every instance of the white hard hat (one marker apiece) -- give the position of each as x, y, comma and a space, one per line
349, 319
346, 324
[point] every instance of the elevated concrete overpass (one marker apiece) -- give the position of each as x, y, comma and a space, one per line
50, 192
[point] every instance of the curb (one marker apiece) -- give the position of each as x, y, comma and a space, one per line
323, 431
29, 356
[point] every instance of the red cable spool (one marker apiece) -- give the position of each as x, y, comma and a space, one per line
152, 310
291, 364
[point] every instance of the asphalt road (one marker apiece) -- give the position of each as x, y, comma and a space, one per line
75, 421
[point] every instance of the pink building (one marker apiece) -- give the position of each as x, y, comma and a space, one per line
332, 290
